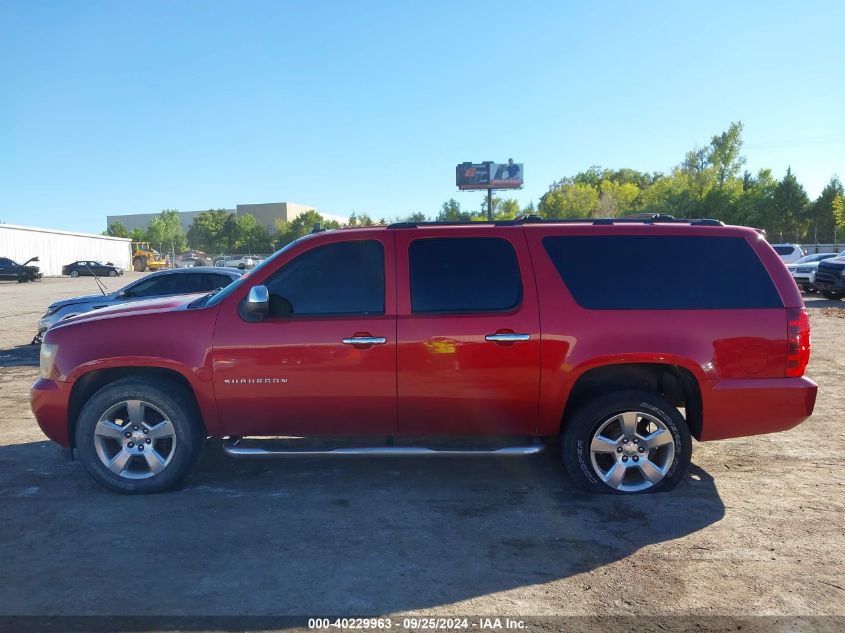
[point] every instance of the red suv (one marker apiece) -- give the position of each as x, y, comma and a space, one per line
624, 338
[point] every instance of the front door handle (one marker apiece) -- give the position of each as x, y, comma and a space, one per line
365, 340
507, 337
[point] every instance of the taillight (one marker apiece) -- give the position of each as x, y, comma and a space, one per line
797, 341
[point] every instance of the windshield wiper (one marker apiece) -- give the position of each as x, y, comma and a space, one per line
201, 301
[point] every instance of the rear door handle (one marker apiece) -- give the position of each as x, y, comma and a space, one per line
365, 340
507, 337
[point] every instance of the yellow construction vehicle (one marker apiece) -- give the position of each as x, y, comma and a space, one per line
144, 257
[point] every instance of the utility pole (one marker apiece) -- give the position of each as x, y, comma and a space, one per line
490, 205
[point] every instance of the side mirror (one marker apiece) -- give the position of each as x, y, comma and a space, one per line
258, 301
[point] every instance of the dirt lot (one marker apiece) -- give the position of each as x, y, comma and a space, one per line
757, 528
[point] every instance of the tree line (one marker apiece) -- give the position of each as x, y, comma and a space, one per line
710, 182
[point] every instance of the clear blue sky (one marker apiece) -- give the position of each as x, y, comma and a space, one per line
132, 107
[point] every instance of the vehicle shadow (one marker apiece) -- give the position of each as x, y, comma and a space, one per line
314, 536
20, 356
814, 300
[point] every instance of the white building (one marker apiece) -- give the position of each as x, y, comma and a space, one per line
265, 213
57, 248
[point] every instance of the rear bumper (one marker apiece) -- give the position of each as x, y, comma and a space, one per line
736, 408
49, 401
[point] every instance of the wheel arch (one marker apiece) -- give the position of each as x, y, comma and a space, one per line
89, 383
674, 382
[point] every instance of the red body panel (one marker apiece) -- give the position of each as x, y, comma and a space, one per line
451, 380
329, 388
437, 374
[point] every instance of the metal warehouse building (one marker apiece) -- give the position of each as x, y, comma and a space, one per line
57, 248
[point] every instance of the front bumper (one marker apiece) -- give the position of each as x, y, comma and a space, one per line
737, 408
49, 400
830, 283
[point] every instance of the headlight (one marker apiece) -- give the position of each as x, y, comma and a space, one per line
47, 359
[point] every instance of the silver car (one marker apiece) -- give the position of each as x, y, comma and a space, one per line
160, 284
804, 270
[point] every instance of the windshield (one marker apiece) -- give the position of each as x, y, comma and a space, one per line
245, 279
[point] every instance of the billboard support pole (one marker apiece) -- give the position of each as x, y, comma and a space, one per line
490, 205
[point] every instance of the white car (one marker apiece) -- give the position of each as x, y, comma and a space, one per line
803, 271
236, 262
789, 253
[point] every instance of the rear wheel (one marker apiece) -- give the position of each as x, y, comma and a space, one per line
74, 273
629, 442
139, 264
137, 436
833, 296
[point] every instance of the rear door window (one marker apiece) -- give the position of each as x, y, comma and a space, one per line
463, 275
623, 272
784, 250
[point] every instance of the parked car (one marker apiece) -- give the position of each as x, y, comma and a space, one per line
430, 331
186, 262
803, 271
830, 277
91, 268
789, 253
242, 262
158, 284
12, 271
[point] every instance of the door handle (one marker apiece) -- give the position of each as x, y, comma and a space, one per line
364, 340
507, 337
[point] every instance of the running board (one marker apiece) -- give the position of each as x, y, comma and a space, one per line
231, 447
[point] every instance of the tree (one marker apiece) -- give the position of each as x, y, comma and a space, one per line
206, 231
790, 205
507, 209
303, 224
755, 206
821, 214
724, 154
116, 229
451, 211
139, 235
838, 205
570, 200
360, 220
616, 199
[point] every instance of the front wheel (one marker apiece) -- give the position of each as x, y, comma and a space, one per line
833, 296
112, 273
137, 435
629, 442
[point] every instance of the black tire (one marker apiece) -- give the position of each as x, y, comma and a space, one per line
833, 296
586, 420
139, 264
173, 402
74, 273
112, 273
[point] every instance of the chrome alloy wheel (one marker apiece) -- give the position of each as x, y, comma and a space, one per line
134, 439
632, 451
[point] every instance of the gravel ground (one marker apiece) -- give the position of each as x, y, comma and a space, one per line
756, 528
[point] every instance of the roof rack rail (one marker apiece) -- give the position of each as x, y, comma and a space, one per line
641, 218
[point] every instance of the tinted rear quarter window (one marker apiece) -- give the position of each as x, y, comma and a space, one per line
784, 250
463, 275
622, 272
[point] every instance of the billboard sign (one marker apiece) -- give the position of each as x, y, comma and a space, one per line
489, 175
